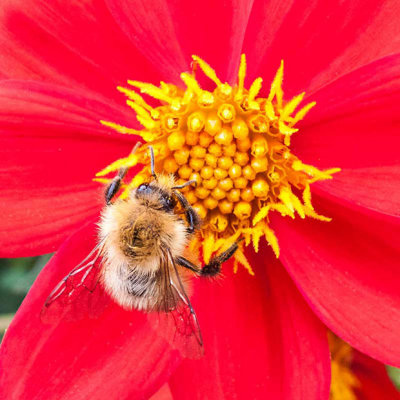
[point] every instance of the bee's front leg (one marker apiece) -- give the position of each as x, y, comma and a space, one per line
115, 185
191, 215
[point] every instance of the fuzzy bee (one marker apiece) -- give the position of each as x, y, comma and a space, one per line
141, 258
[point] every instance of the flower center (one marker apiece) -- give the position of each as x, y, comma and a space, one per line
235, 145
343, 381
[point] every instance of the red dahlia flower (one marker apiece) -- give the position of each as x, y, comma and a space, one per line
264, 335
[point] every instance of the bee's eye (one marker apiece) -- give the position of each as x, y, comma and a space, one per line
143, 190
143, 187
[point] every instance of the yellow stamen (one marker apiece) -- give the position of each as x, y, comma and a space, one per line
235, 145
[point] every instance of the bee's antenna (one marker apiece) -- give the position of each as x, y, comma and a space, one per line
192, 182
152, 162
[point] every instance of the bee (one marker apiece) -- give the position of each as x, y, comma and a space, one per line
141, 259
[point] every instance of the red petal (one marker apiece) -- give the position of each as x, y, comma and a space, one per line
74, 43
374, 189
356, 120
116, 356
168, 33
318, 40
163, 394
260, 339
52, 145
220, 44
347, 269
374, 379
355, 126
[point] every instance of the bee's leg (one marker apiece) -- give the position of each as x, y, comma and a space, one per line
192, 217
213, 268
114, 186
183, 262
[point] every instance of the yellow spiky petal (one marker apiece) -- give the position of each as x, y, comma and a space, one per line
127, 162
272, 240
302, 113
152, 91
276, 86
208, 71
292, 105
241, 77
253, 92
241, 259
208, 247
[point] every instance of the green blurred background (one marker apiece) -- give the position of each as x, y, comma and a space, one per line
16, 277
18, 274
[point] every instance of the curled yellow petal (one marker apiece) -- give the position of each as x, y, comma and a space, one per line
241, 259
208, 247
302, 113
292, 105
127, 162
276, 86
272, 241
208, 71
241, 76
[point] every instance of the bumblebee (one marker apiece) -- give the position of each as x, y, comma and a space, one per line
141, 259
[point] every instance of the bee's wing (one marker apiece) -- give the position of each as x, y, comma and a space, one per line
177, 321
77, 295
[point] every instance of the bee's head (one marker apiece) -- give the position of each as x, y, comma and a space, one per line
156, 195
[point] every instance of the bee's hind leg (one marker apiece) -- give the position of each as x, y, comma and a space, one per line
183, 262
213, 268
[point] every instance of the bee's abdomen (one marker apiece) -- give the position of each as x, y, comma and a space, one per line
141, 285
132, 288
